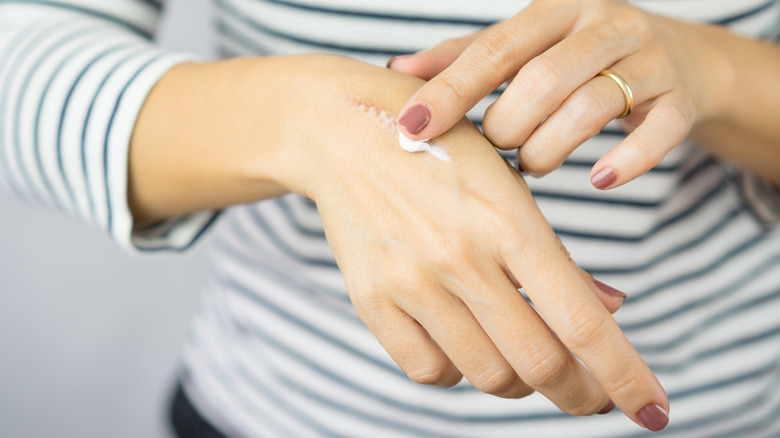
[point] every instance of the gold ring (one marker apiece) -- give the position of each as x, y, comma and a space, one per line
627, 93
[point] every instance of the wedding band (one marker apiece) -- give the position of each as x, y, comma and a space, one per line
627, 93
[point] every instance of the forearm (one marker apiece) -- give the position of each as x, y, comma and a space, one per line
745, 128
189, 131
230, 132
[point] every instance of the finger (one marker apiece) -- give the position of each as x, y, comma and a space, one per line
527, 343
429, 63
610, 297
490, 60
581, 322
453, 327
666, 125
586, 112
408, 343
544, 83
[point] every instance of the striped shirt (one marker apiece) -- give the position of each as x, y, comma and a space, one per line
277, 349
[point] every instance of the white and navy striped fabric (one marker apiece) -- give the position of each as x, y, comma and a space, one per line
277, 349
73, 77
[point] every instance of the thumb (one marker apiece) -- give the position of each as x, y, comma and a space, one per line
429, 63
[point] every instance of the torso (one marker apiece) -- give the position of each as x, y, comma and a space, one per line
279, 351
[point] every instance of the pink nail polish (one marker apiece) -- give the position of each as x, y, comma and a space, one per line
653, 417
608, 408
416, 118
604, 178
609, 290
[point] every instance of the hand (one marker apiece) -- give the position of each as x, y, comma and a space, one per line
432, 252
552, 52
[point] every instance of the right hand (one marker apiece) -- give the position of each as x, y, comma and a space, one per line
433, 252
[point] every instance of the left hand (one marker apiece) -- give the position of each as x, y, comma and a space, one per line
552, 51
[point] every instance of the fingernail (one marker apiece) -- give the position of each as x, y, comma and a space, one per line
653, 417
609, 290
604, 178
393, 59
415, 118
608, 408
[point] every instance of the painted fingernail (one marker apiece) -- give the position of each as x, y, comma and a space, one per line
393, 59
653, 417
609, 290
415, 118
604, 178
608, 408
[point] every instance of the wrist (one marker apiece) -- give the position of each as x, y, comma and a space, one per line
183, 153
713, 79
216, 134
323, 131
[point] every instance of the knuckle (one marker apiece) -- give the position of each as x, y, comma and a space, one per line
543, 78
365, 302
585, 328
663, 62
448, 253
367, 298
678, 123
496, 380
433, 375
538, 160
651, 153
402, 273
501, 130
512, 243
495, 50
412, 292
548, 369
633, 21
579, 103
606, 31
588, 112
456, 87
586, 406
624, 381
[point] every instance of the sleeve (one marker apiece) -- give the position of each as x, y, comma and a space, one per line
73, 77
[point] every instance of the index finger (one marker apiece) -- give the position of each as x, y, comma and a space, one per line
585, 327
494, 57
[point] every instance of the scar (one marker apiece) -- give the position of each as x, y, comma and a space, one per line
389, 123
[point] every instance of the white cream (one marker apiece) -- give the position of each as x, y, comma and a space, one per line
410, 145
387, 120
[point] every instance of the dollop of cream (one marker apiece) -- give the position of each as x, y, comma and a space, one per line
410, 145
387, 121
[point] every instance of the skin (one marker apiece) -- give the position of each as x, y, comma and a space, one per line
438, 290
688, 80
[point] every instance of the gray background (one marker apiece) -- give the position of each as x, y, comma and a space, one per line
89, 335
